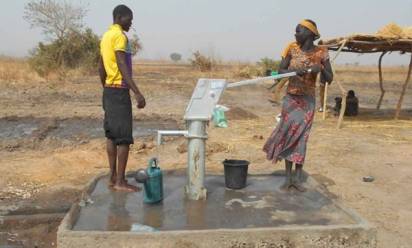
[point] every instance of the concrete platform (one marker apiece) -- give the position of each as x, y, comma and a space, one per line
260, 215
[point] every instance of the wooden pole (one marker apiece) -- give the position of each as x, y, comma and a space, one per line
276, 90
380, 81
408, 77
325, 96
343, 107
343, 91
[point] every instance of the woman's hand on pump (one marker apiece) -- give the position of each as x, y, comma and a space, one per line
315, 69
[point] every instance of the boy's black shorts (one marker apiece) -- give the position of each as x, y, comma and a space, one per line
118, 120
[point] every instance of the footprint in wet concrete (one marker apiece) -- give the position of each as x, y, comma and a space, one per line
258, 204
326, 181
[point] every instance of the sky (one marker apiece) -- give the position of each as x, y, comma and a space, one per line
228, 30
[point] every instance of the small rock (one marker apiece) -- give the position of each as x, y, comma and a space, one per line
12, 146
260, 137
140, 145
368, 179
182, 148
168, 138
150, 145
216, 147
26, 195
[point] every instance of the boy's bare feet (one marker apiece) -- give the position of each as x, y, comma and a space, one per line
112, 180
125, 187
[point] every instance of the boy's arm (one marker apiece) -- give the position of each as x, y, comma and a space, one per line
124, 70
102, 71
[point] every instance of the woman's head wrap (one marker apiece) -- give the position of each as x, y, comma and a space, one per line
309, 25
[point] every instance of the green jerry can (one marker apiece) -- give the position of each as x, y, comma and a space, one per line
274, 73
153, 186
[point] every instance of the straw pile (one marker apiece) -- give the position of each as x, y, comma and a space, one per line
407, 32
394, 31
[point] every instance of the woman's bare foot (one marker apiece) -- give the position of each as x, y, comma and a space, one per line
286, 186
125, 187
299, 187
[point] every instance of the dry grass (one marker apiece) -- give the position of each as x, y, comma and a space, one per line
18, 70
369, 74
392, 30
246, 71
202, 62
408, 32
15, 70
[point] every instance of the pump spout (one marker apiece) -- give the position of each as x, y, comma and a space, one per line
161, 133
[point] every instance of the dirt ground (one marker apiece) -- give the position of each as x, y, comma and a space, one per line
52, 144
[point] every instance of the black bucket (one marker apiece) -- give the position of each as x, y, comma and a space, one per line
235, 173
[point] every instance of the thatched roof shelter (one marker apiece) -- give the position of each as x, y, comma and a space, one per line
390, 38
362, 43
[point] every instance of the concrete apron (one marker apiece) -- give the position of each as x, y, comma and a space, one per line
258, 216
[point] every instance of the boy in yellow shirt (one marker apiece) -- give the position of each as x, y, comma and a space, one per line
115, 70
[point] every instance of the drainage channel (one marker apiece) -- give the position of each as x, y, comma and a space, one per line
30, 230
18, 132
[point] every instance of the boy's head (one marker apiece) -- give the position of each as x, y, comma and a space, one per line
123, 16
351, 93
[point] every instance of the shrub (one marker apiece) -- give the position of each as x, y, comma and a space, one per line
77, 50
175, 57
201, 62
71, 45
247, 71
266, 64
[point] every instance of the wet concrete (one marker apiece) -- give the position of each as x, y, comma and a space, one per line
72, 128
260, 204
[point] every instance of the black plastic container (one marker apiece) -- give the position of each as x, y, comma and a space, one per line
235, 173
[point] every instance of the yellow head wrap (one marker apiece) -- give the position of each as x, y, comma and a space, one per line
307, 24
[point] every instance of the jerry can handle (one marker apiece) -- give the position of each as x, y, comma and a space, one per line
153, 162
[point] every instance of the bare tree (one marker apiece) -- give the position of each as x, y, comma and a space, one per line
56, 18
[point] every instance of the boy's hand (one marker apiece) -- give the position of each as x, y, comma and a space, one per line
141, 102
